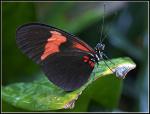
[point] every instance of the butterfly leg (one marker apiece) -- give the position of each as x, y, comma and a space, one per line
102, 56
111, 61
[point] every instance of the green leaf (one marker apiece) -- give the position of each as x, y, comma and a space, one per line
42, 95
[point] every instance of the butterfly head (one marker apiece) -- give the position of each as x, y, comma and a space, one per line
100, 47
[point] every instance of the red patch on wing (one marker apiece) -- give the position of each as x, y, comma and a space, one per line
86, 59
81, 47
53, 43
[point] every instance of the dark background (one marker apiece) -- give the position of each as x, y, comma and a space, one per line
126, 24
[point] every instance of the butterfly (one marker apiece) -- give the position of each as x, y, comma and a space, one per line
66, 60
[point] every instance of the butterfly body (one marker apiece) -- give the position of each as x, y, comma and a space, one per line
66, 60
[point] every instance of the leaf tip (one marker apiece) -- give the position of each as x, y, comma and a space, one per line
122, 70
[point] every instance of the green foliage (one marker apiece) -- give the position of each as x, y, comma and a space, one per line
42, 95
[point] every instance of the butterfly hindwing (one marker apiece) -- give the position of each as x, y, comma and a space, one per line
67, 70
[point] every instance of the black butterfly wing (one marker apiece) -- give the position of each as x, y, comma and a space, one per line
62, 56
67, 70
38, 41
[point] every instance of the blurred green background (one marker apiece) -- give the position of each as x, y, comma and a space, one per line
126, 24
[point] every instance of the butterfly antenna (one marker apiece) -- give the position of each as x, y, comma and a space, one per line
102, 28
106, 35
